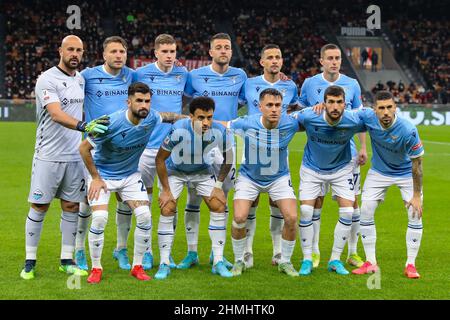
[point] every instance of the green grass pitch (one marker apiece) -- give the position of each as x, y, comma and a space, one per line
261, 282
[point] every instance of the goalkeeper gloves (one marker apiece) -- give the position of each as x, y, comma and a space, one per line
96, 126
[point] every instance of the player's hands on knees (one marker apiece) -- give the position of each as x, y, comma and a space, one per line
362, 157
416, 203
318, 108
165, 198
218, 194
94, 189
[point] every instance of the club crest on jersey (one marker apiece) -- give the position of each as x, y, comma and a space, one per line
394, 137
283, 92
37, 194
233, 79
81, 84
124, 79
178, 77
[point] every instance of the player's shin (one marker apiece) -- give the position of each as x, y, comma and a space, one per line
354, 232
217, 233
96, 236
276, 227
368, 230
251, 228
165, 237
192, 219
238, 240
316, 225
341, 232
142, 233
123, 221
68, 227
288, 238
83, 225
33, 229
413, 236
306, 230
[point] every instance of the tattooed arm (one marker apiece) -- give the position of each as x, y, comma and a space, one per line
416, 201
171, 117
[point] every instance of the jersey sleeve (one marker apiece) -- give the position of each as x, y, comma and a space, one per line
169, 141
241, 99
135, 76
303, 99
46, 91
295, 98
238, 124
414, 146
156, 116
356, 101
189, 89
300, 117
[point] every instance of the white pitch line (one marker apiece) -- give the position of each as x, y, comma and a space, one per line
437, 142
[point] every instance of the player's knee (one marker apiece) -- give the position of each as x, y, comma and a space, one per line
306, 213
290, 219
368, 210
40, 207
240, 218
99, 219
143, 217
70, 206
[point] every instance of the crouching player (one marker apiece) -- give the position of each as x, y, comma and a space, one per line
265, 170
396, 160
185, 149
114, 168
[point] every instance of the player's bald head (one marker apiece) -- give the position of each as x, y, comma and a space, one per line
71, 40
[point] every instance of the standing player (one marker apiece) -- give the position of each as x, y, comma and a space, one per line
186, 149
312, 93
223, 84
114, 168
265, 169
328, 161
396, 160
57, 168
106, 92
272, 62
167, 82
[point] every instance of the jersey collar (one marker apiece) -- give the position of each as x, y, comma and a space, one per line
391, 126
268, 82
109, 74
66, 72
262, 124
331, 83
219, 74
156, 66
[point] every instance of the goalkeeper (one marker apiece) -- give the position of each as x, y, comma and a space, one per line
57, 169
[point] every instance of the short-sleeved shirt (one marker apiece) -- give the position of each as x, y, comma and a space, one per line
105, 93
189, 149
394, 147
265, 150
328, 146
313, 89
118, 150
55, 142
254, 86
167, 95
225, 89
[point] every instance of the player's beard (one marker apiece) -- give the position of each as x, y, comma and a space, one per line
141, 113
68, 65
333, 115
222, 62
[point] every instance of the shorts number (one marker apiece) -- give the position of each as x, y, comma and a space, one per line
352, 182
213, 177
233, 174
290, 183
83, 185
142, 185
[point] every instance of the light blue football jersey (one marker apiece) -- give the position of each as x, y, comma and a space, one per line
105, 93
225, 89
265, 151
313, 89
254, 86
189, 150
392, 148
118, 150
328, 147
167, 94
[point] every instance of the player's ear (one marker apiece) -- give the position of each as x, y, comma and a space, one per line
210, 54
261, 62
60, 50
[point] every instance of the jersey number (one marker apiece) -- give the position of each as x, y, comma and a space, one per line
233, 174
352, 182
83, 185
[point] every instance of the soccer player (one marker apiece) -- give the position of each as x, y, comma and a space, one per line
186, 149
396, 160
114, 168
265, 170
223, 84
167, 82
312, 93
57, 168
106, 92
272, 62
328, 160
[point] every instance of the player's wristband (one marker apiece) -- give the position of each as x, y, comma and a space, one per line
81, 126
218, 185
